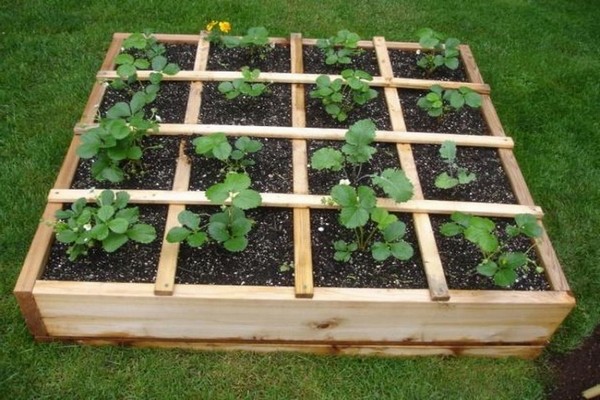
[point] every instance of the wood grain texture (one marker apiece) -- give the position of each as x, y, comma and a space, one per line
471, 67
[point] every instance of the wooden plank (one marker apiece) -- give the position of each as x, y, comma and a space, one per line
470, 65
32, 269
113, 50
364, 44
89, 309
202, 54
281, 77
303, 267
550, 261
436, 279
69, 165
326, 134
163, 37
592, 392
515, 177
91, 108
167, 263
290, 200
491, 117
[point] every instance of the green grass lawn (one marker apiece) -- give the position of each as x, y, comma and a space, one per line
542, 60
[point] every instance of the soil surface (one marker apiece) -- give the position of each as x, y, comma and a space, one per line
491, 185
270, 246
274, 58
314, 62
460, 258
577, 371
273, 108
467, 121
362, 270
404, 65
272, 171
182, 54
156, 168
134, 262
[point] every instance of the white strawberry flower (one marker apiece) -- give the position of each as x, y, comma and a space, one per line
418, 51
344, 182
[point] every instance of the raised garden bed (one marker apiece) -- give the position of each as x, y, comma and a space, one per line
320, 317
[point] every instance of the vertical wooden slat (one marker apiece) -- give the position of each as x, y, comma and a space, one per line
167, 264
436, 280
469, 62
303, 271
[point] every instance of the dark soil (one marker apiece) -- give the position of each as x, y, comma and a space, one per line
272, 171
321, 182
314, 62
170, 104
182, 54
157, 169
376, 110
270, 246
466, 121
134, 262
491, 185
404, 65
362, 271
460, 258
273, 108
577, 371
274, 59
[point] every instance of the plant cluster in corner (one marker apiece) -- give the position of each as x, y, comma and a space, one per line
230, 226
499, 264
256, 40
340, 49
375, 229
109, 223
437, 51
439, 101
342, 95
244, 86
216, 29
116, 145
455, 175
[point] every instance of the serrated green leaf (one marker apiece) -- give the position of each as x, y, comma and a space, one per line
113, 242
505, 277
218, 231
236, 244
451, 229
394, 231
448, 151
451, 63
344, 195
118, 225
100, 232
119, 110
178, 234
171, 69
353, 217
382, 218
380, 251
528, 225
142, 233
66, 236
246, 199
487, 268
402, 250
327, 158
189, 219
197, 239
445, 181
473, 99
395, 184
158, 63
121, 200
88, 150
124, 58
465, 177
512, 260
105, 212
126, 70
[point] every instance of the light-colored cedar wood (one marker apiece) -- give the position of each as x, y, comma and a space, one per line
592, 392
165, 38
167, 263
550, 261
364, 44
67, 170
327, 134
469, 62
515, 177
303, 273
379, 316
432, 263
491, 116
111, 54
33, 269
202, 53
397, 350
282, 77
290, 200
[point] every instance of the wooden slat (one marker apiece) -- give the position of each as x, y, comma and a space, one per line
69, 165
167, 263
432, 264
281, 77
515, 177
163, 37
491, 117
469, 62
550, 261
327, 134
303, 269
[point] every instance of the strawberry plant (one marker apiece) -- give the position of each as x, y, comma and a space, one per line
340, 49
440, 101
455, 175
437, 51
235, 158
244, 86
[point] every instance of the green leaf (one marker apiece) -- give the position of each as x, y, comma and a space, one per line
118, 225
248, 145
106, 198
448, 151
218, 231
528, 225
237, 181
487, 268
461, 218
353, 217
505, 277
130, 214
189, 219
197, 239
66, 236
118, 129
171, 69
394, 231
178, 234
142, 233
240, 226
141, 63
124, 58
114, 241
382, 218
138, 101
126, 70
134, 153
119, 110
344, 195
512, 260
63, 214
88, 150
158, 63
121, 200
218, 193
486, 241
100, 232
402, 250
451, 63
451, 229
327, 158
380, 251
456, 99
105, 213
236, 244
225, 87
445, 181
465, 177
395, 184
473, 99
247, 199
113, 174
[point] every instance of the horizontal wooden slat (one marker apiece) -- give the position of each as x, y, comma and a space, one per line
164, 37
290, 200
280, 77
326, 134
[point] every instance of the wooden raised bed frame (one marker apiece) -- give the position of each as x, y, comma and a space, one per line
325, 320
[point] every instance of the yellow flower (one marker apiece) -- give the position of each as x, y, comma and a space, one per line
224, 26
211, 25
